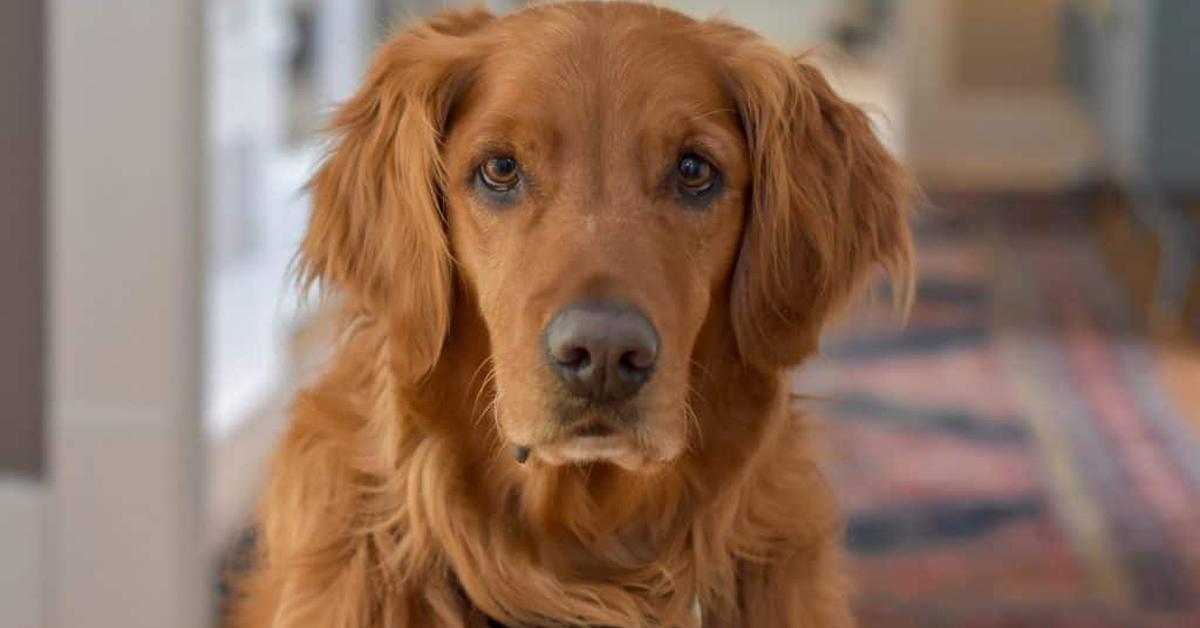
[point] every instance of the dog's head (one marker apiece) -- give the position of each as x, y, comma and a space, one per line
610, 186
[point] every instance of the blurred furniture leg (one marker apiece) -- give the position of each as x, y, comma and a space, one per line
1132, 65
1178, 236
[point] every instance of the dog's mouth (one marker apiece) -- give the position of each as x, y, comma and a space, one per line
591, 442
614, 448
594, 429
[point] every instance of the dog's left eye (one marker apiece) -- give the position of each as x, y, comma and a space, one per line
500, 174
695, 174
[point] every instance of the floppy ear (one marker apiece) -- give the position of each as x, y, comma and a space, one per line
376, 231
828, 204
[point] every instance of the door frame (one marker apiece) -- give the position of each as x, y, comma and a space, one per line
124, 256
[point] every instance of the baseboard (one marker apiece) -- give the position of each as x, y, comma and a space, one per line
22, 546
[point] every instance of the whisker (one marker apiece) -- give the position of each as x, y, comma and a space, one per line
693, 389
692, 423
488, 379
487, 362
704, 370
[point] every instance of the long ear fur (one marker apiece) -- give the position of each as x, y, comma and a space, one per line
828, 204
376, 231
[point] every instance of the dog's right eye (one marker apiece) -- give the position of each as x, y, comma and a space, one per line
696, 175
500, 174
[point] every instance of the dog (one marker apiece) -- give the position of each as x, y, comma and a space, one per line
578, 249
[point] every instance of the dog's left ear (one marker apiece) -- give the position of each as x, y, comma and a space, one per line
828, 204
376, 231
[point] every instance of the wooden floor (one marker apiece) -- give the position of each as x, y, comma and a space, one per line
1179, 361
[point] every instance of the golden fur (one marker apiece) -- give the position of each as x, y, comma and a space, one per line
394, 500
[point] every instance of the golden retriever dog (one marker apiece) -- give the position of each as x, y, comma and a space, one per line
578, 249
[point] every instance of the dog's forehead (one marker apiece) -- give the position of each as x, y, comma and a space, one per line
583, 64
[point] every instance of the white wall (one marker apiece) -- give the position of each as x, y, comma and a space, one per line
793, 24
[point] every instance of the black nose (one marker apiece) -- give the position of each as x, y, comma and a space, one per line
602, 350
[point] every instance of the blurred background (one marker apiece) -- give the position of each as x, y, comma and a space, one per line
1024, 452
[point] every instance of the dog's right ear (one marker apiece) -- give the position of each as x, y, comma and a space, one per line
376, 234
829, 204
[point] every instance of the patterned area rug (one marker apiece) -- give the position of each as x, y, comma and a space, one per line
1012, 456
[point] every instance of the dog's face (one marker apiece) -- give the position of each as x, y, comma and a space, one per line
604, 182
594, 209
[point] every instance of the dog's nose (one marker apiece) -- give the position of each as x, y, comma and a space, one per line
602, 350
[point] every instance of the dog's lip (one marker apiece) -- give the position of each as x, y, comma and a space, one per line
616, 448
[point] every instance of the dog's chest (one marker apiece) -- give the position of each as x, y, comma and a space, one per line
697, 613
632, 554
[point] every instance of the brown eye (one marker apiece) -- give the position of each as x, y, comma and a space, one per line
696, 175
501, 174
